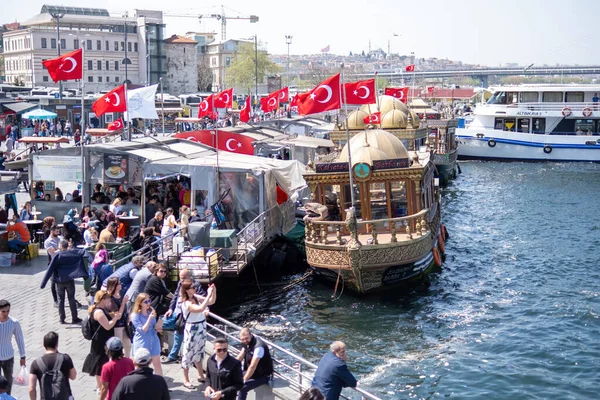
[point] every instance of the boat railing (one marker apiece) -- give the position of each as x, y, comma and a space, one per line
414, 226
562, 107
295, 370
275, 220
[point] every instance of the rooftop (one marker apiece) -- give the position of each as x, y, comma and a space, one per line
176, 39
49, 9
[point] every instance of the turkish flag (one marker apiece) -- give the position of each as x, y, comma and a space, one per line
361, 92
204, 136
283, 95
326, 96
374, 118
66, 67
235, 143
399, 93
410, 68
113, 101
205, 109
245, 111
116, 125
269, 104
294, 102
224, 99
430, 89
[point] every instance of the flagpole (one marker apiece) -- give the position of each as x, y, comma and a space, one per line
82, 136
348, 142
212, 100
162, 104
127, 130
376, 93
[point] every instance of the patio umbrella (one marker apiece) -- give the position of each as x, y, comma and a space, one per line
39, 114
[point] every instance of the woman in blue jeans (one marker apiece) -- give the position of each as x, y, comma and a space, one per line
143, 318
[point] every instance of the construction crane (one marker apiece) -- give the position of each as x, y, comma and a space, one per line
220, 17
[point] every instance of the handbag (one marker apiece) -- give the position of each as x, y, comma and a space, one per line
180, 323
130, 330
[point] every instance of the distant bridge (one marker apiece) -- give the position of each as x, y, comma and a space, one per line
483, 74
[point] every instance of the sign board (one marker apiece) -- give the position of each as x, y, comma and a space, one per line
390, 164
325, 168
61, 107
116, 167
49, 186
57, 168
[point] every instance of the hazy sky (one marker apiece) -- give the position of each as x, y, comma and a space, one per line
475, 31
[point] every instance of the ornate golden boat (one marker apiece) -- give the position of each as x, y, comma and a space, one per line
392, 234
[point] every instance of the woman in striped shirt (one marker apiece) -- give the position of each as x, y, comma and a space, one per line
9, 327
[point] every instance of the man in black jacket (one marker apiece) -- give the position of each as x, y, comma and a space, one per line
224, 373
258, 364
141, 383
66, 266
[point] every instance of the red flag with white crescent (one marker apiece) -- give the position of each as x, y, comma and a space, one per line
66, 67
224, 99
325, 97
235, 143
245, 111
205, 109
399, 93
361, 92
410, 68
116, 125
374, 118
113, 101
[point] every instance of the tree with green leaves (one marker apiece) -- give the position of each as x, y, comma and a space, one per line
242, 71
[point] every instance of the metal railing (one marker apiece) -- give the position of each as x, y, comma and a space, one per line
575, 107
416, 224
276, 220
288, 366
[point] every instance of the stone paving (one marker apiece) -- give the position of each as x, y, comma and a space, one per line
33, 308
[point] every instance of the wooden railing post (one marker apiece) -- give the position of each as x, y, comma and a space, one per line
394, 239
374, 233
338, 234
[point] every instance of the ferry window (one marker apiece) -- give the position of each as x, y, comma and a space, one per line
584, 127
378, 194
499, 123
398, 199
574, 97
509, 125
498, 98
529, 97
552, 97
539, 125
512, 97
523, 125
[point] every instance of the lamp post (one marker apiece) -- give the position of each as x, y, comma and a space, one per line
57, 17
288, 41
256, 67
125, 47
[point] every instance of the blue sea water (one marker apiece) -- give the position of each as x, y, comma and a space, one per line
513, 314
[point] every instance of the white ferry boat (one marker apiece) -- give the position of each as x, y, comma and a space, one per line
534, 122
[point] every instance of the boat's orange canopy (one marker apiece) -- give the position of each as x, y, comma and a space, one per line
102, 132
46, 139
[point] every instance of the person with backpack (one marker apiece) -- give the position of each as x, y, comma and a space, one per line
53, 371
98, 327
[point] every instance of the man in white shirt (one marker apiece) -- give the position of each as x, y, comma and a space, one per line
9, 327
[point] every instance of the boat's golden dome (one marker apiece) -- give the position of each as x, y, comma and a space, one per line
394, 119
355, 120
389, 146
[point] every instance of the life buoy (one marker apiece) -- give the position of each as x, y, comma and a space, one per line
547, 149
566, 112
444, 232
586, 112
441, 243
492, 143
436, 257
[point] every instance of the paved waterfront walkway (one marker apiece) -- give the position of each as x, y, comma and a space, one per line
34, 309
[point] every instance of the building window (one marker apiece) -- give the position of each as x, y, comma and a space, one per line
116, 46
90, 65
108, 66
90, 79
99, 45
63, 43
99, 79
89, 44
99, 65
128, 46
135, 47
52, 43
117, 79
122, 46
107, 45
184, 64
75, 43
227, 61
213, 61
45, 78
116, 65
